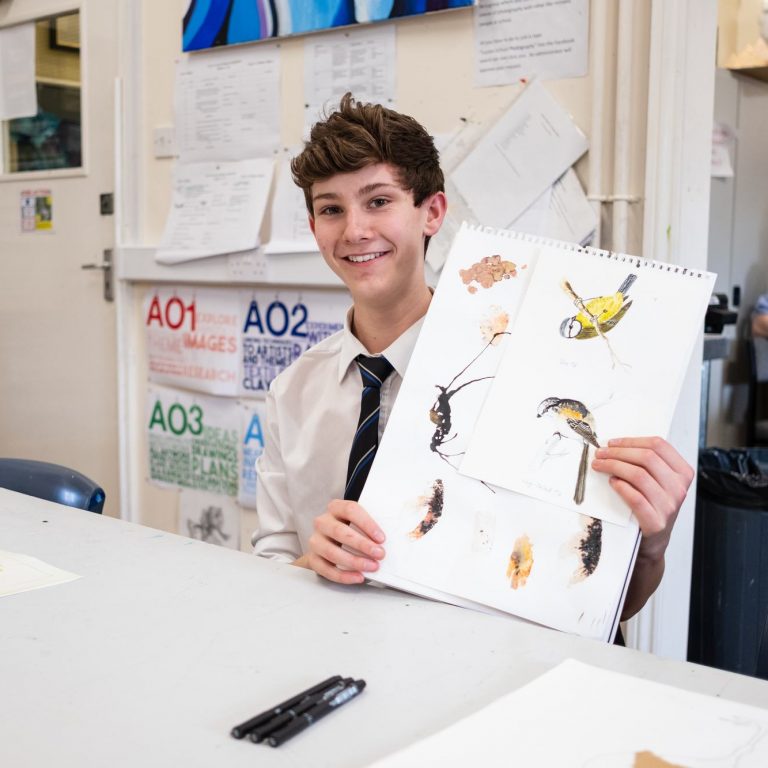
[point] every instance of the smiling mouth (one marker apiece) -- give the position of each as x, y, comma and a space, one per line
359, 259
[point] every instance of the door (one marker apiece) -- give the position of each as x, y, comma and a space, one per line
58, 390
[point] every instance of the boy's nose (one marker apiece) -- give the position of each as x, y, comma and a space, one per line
357, 226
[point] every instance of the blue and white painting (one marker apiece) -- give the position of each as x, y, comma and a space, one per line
210, 23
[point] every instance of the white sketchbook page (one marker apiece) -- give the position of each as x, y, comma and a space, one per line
21, 573
629, 380
520, 39
18, 92
228, 104
525, 152
467, 552
209, 517
601, 719
216, 208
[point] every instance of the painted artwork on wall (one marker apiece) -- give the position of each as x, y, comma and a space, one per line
211, 23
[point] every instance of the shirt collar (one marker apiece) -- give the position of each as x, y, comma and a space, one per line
398, 352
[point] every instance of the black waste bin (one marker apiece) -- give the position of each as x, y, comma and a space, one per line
729, 585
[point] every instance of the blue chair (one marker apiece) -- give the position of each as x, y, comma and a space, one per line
51, 482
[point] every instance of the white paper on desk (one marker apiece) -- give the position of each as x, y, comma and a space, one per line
522, 155
452, 535
577, 715
628, 379
21, 573
209, 517
517, 39
228, 104
561, 213
356, 60
289, 230
18, 90
216, 208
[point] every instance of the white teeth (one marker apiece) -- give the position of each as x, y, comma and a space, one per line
365, 257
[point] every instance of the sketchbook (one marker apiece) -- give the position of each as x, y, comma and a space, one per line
468, 538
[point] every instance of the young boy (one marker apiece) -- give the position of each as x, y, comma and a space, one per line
374, 192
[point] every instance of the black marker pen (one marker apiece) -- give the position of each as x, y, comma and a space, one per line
258, 735
239, 731
298, 724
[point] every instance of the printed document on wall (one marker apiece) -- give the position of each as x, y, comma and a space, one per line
517, 39
356, 60
216, 208
209, 517
18, 91
522, 155
228, 104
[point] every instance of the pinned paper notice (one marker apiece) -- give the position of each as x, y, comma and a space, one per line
522, 155
217, 208
21, 573
18, 91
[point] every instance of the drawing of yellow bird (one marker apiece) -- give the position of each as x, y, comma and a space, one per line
578, 417
597, 315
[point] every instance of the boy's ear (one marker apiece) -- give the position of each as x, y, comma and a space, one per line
437, 205
311, 219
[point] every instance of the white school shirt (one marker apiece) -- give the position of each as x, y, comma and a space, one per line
312, 410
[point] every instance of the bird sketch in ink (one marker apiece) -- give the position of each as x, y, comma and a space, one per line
520, 562
588, 545
597, 316
440, 412
487, 272
434, 504
578, 418
210, 528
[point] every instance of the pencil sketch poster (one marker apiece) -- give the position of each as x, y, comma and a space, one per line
209, 517
252, 416
209, 23
605, 341
192, 338
192, 441
452, 537
278, 326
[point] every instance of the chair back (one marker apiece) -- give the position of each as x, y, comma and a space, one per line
51, 482
761, 668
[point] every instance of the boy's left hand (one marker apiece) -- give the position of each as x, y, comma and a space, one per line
653, 479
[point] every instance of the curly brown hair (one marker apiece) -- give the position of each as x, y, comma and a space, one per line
357, 135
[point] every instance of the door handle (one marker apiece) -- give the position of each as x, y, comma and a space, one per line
106, 268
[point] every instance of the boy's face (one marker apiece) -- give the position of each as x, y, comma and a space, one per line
372, 235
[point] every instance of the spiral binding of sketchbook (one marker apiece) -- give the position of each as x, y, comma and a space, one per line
482, 482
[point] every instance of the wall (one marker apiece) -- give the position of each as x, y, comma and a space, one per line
738, 243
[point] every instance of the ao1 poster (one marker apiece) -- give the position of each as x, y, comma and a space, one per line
192, 441
192, 338
279, 326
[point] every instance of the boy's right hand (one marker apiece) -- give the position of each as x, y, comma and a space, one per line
345, 545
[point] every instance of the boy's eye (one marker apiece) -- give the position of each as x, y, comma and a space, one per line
330, 210
378, 202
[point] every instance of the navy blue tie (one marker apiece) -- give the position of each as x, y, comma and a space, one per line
373, 371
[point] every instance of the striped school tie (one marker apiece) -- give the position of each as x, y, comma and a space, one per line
373, 371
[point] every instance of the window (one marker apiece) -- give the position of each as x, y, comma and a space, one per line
51, 139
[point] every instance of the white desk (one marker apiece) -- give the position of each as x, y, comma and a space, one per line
166, 643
